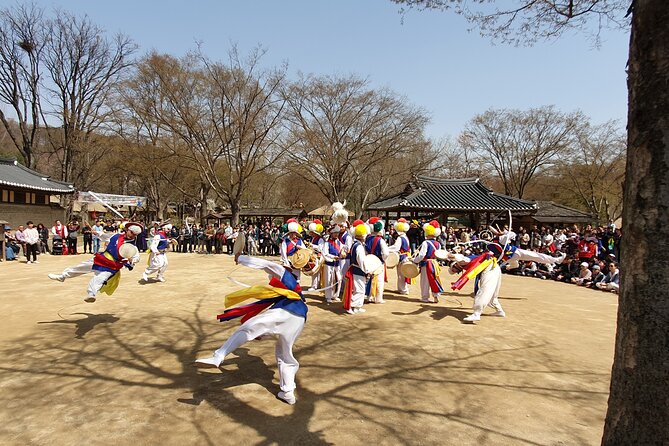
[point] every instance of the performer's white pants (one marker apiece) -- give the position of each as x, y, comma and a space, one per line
524, 255
99, 277
285, 326
331, 277
488, 292
381, 282
359, 288
157, 264
425, 285
402, 286
316, 280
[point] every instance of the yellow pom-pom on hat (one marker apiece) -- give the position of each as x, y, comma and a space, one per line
361, 230
432, 228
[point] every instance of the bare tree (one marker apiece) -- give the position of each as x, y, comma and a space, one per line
351, 141
22, 41
527, 21
516, 144
595, 171
637, 411
82, 65
228, 117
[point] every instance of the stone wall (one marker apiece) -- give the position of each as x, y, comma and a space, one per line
19, 214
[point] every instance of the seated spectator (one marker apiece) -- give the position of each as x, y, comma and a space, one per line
584, 274
568, 269
596, 277
611, 281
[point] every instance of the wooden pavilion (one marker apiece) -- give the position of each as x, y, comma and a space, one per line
434, 198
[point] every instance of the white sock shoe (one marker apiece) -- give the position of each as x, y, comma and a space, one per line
212, 362
472, 318
288, 397
58, 277
499, 313
160, 279
359, 310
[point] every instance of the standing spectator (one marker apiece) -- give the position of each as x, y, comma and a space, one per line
88, 239
201, 239
97, 230
209, 237
59, 230
414, 234
73, 229
43, 238
31, 240
523, 238
228, 237
21, 239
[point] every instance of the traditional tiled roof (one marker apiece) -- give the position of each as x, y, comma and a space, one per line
15, 175
463, 195
550, 212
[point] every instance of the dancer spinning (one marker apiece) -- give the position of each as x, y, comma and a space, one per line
429, 268
376, 245
284, 319
402, 247
488, 276
158, 257
513, 255
291, 243
106, 266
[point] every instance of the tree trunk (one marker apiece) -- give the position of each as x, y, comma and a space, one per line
638, 411
234, 210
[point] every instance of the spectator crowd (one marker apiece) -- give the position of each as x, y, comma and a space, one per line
592, 253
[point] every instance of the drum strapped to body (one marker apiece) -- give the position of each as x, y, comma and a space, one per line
441, 254
372, 264
409, 269
128, 251
314, 265
393, 260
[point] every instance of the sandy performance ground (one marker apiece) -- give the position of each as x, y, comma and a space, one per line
120, 372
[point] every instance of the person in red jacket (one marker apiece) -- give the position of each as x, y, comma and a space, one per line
587, 248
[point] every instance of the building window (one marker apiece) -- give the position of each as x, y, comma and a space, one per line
7, 196
19, 197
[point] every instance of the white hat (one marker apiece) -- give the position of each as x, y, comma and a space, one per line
133, 227
585, 264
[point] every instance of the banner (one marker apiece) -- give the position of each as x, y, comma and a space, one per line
111, 199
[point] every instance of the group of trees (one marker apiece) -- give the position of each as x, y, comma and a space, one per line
188, 129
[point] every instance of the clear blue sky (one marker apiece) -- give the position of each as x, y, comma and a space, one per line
429, 57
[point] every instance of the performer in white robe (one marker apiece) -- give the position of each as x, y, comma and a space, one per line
158, 257
284, 319
355, 283
513, 255
403, 248
429, 267
333, 253
291, 242
316, 243
376, 245
489, 281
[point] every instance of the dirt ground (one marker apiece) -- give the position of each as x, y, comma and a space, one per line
120, 372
